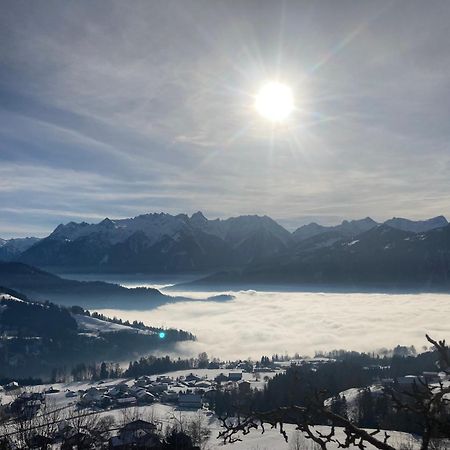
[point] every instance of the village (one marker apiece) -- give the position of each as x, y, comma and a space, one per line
142, 408
184, 392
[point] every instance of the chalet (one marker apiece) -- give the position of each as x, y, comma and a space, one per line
142, 396
169, 396
164, 379
192, 378
190, 401
244, 386
11, 386
142, 381
139, 425
221, 378
235, 376
157, 388
136, 434
118, 390
126, 401
92, 395
202, 384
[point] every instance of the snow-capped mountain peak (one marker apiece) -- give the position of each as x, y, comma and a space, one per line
417, 226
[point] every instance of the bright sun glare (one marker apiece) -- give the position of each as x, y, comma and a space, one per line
274, 101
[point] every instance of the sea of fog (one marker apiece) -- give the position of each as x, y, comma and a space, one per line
264, 323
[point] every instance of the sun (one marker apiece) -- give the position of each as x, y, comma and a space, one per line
274, 101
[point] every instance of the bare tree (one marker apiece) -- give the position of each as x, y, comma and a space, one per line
430, 403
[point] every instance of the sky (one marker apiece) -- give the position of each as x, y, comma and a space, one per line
114, 109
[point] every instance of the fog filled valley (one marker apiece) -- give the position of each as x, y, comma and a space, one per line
254, 323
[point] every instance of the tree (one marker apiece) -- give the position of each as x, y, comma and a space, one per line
203, 360
103, 371
429, 403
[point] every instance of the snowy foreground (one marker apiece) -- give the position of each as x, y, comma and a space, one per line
166, 414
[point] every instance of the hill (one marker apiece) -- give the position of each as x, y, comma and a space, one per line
42, 285
38, 337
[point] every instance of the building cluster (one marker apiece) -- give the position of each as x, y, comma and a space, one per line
409, 381
187, 392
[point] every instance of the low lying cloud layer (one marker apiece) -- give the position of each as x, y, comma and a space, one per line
257, 323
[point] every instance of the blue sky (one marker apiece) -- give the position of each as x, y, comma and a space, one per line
111, 108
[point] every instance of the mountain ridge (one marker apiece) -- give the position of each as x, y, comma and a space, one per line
165, 243
382, 256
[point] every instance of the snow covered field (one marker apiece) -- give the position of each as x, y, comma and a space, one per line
91, 324
164, 414
265, 323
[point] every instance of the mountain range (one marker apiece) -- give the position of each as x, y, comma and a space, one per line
12, 248
382, 257
247, 248
154, 243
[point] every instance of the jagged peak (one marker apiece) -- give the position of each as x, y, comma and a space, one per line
107, 222
199, 216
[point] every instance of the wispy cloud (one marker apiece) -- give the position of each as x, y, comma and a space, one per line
118, 109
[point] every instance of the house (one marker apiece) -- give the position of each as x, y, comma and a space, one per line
221, 378
11, 386
192, 378
164, 379
244, 386
169, 396
126, 401
142, 381
136, 434
142, 396
118, 390
139, 425
70, 394
235, 376
92, 395
409, 383
202, 384
157, 388
190, 401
